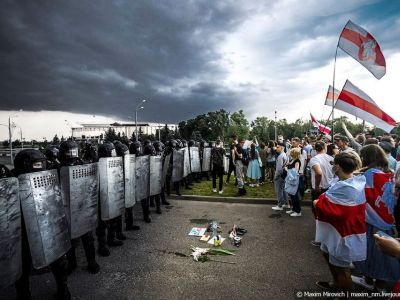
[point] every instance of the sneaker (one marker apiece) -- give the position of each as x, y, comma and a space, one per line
316, 244
361, 282
286, 206
221, 192
277, 208
289, 211
295, 214
214, 190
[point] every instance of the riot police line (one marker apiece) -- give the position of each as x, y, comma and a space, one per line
47, 203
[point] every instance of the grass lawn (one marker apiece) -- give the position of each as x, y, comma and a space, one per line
204, 188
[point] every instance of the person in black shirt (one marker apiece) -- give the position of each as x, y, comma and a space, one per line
217, 158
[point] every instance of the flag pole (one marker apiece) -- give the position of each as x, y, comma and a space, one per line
333, 97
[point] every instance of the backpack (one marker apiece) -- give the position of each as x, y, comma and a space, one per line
217, 157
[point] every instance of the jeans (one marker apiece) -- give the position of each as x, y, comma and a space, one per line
239, 173
279, 185
217, 171
295, 202
262, 179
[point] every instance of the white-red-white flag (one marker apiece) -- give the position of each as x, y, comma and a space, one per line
357, 103
361, 45
321, 127
331, 96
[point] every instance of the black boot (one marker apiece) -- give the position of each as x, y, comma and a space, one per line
119, 234
111, 240
71, 257
158, 204
59, 270
152, 203
129, 220
146, 210
163, 199
90, 252
176, 186
101, 238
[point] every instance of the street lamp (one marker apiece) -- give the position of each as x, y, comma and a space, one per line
10, 135
276, 128
139, 106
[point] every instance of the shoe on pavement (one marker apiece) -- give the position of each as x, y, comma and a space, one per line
221, 192
214, 190
361, 282
316, 244
325, 285
289, 211
277, 208
295, 214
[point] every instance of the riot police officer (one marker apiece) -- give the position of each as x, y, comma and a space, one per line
134, 148
169, 149
159, 147
107, 149
52, 153
69, 156
122, 150
29, 161
154, 200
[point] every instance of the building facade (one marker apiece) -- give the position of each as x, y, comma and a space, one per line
98, 130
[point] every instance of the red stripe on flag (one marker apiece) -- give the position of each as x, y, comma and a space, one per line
347, 220
369, 107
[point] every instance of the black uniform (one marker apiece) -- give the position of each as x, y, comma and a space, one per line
69, 157
107, 150
28, 161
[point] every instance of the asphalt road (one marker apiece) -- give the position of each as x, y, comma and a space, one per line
275, 260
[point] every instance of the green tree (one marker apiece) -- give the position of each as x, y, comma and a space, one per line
110, 135
239, 125
56, 140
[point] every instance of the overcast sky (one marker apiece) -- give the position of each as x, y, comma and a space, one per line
84, 58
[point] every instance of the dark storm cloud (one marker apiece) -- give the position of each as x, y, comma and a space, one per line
101, 57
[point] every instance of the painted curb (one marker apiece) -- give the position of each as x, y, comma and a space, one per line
230, 199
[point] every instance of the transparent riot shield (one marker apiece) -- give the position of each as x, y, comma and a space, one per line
142, 177
10, 232
112, 196
80, 190
44, 215
155, 175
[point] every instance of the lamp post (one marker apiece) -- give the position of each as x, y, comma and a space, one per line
10, 135
276, 128
139, 106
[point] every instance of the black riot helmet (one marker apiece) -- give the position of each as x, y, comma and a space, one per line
158, 146
68, 152
149, 150
121, 149
90, 154
107, 149
146, 142
211, 144
29, 161
52, 152
4, 171
135, 148
203, 144
191, 143
173, 144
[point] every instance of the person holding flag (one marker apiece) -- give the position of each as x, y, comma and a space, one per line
340, 222
379, 217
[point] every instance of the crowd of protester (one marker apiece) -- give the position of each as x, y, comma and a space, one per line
354, 183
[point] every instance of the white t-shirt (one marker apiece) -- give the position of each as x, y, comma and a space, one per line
323, 160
